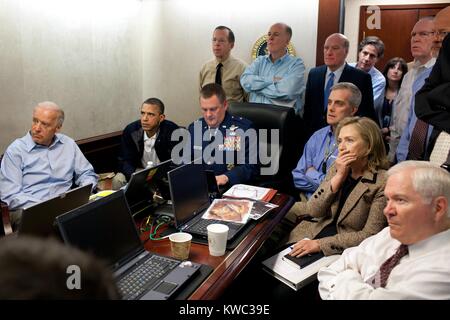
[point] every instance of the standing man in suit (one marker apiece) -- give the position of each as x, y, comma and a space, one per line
276, 78
224, 69
322, 78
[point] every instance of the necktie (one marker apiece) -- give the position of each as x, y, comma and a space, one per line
326, 93
390, 264
417, 143
219, 73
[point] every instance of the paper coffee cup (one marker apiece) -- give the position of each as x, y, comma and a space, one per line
180, 244
217, 239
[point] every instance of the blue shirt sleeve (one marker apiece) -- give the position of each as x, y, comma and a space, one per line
11, 190
251, 80
258, 78
304, 180
83, 170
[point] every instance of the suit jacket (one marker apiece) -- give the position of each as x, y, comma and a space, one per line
361, 215
315, 115
132, 145
432, 103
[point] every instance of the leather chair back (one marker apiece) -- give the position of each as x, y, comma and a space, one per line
281, 118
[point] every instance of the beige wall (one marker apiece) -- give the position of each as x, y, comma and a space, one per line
177, 41
84, 55
351, 27
99, 59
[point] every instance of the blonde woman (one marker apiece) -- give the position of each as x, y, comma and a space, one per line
348, 205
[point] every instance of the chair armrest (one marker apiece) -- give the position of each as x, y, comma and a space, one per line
6, 222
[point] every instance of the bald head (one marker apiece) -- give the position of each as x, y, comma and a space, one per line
278, 39
442, 26
335, 50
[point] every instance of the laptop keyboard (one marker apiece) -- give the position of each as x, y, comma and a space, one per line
145, 276
200, 226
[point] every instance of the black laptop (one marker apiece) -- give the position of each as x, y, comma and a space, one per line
190, 199
106, 229
144, 184
39, 219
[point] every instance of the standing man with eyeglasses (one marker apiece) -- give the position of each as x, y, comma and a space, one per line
224, 69
422, 36
321, 149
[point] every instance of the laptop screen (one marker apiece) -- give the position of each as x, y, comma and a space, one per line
189, 191
103, 227
144, 183
39, 219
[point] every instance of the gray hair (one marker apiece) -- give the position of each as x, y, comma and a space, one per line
355, 97
49, 105
428, 179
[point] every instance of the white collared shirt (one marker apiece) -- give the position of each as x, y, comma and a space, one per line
337, 75
424, 273
149, 154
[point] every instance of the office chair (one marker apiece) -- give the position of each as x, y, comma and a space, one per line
291, 141
5, 222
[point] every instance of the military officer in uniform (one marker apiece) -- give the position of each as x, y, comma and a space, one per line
224, 143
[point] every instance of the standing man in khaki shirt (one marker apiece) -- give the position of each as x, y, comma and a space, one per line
224, 69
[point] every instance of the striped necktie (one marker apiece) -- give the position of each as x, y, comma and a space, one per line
327, 91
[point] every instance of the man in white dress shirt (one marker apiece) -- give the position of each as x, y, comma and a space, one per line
418, 214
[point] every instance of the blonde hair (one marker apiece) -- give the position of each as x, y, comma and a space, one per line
370, 133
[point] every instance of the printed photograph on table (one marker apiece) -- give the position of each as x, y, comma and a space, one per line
237, 211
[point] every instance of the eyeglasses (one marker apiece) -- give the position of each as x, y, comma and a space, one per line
441, 33
422, 34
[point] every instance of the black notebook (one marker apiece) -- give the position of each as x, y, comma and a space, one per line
303, 261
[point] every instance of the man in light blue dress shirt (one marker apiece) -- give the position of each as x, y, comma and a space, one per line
277, 78
321, 150
43, 163
370, 50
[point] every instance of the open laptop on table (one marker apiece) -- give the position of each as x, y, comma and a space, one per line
106, 228
145, 183
190, 199
39, 219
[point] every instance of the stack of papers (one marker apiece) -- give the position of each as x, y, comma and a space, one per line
250, 192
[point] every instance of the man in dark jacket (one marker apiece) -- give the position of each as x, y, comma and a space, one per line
146, 141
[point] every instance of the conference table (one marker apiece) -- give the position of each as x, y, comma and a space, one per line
226, 268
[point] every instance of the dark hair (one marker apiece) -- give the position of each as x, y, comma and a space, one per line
374, 41
213, 89
230, 33
392, 63
35, 268
156, 102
